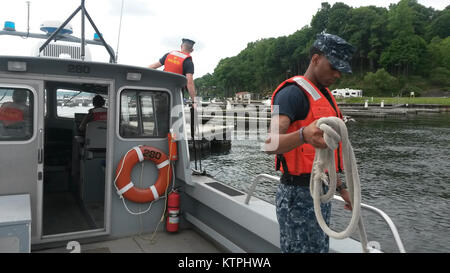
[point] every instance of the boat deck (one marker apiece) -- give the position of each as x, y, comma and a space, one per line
185, 241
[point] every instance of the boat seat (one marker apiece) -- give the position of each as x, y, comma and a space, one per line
92, 164
95, 138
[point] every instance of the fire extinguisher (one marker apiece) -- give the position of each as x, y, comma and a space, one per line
173, 211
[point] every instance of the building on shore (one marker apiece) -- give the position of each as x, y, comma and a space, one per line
241, 96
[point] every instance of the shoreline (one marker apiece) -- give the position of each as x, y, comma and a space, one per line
388, 110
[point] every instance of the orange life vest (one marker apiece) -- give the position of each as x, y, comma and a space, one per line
300, 160
10, 115
100, 113
174, 62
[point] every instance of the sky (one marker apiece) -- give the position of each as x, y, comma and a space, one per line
152, 28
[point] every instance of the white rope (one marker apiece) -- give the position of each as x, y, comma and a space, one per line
335, 131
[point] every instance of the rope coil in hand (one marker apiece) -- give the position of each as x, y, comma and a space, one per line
335, 131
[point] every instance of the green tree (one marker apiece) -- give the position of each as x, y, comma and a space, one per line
338, 17
366, 30
400, 19
440, 76
319, 21
380, 83
439, 50
206, 86
299, 50
422, 17
406, 55
440, 26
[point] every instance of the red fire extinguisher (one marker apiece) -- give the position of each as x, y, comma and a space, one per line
173, 209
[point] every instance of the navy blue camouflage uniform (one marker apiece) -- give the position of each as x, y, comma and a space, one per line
299, 229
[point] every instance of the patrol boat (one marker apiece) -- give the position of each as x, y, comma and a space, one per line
59, 187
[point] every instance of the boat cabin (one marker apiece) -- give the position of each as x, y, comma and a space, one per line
67, 172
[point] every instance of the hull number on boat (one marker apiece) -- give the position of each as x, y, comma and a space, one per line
152, 154
78, 68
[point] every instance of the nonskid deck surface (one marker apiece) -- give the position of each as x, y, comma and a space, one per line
185, 241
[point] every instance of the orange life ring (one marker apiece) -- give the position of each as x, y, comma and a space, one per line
123, 181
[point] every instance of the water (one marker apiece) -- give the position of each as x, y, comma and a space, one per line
404, 166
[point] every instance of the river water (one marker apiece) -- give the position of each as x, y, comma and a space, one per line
404, 167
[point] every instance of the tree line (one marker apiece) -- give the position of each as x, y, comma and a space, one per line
400, 49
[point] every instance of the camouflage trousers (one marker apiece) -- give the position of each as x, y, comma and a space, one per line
299, 230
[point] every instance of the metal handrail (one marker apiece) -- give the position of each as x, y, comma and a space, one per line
255, 182
383, 215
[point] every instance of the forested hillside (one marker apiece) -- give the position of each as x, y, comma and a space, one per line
403, 48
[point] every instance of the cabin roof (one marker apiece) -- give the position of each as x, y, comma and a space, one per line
88, 69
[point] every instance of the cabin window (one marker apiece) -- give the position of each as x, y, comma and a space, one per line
16, 114
70, 102
144, 113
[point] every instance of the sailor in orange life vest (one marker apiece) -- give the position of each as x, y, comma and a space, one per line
297, 104
97, 113
180, 62
16, 111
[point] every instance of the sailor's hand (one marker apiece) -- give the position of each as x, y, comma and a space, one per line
271, 144
314, 136
346, 196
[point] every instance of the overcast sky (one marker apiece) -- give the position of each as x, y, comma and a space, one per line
151, 28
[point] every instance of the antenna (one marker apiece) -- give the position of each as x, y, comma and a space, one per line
120, 27
28, 18
84, 13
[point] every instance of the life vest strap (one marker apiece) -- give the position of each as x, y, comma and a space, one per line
281, 159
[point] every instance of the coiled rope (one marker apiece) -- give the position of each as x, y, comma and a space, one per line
335, 131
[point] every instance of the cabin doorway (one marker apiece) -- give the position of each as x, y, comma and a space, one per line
73, 194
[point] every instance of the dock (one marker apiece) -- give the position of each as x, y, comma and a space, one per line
210, 138
389, 110
217, 125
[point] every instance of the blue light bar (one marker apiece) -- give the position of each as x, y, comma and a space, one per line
10, 26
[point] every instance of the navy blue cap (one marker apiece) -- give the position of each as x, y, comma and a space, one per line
338, 51
188, 41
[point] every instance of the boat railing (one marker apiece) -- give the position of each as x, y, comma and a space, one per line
375, 210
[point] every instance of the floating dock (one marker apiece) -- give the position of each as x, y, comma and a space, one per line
388, 110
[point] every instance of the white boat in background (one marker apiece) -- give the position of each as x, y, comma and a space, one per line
347, 93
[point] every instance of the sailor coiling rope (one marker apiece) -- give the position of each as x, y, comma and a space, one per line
335, 131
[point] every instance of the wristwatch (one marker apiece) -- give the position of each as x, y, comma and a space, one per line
341, 187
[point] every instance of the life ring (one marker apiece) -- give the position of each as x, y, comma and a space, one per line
125, 186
